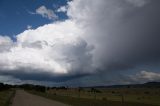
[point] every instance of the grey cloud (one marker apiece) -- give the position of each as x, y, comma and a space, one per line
37, 44
138, 3
123, 36
35, 75
79, 56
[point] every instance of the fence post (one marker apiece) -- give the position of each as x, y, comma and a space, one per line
122, 99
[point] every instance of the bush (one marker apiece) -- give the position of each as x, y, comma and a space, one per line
104, 98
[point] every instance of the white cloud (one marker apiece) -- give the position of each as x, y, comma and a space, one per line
55, 48
62, 9
5, 43
145, 76
46, 13
151, 76
5, 40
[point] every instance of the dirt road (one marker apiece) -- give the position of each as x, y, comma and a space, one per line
23, 98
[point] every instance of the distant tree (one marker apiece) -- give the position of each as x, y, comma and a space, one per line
33, 87
4, 86
61, 88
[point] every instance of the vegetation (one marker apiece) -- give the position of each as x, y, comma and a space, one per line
147, 94
35, 87
75, 101
6, 95
4, 86
137, 95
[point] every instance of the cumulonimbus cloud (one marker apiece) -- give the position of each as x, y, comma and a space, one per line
54, 49
100, 35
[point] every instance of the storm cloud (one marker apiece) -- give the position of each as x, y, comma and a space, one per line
99, 37
123, 34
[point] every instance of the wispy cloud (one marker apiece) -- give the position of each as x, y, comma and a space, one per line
45, 13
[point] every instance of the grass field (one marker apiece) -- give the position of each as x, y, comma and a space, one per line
5, 97
105, 97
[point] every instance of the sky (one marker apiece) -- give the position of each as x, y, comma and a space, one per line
79, 42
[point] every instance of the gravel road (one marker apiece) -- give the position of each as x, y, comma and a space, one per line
23, 98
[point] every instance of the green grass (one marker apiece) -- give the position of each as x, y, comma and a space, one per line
5, 97
76, 101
